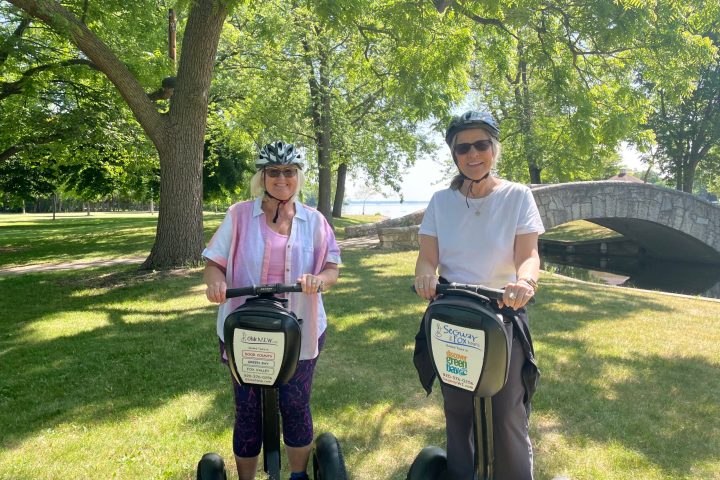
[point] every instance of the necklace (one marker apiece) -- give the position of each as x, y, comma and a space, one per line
476, 205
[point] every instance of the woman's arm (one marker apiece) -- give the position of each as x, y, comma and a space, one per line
426, 267
527, 266
214, 277
322, 281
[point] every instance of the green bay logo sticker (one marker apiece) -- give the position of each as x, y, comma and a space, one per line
456, 363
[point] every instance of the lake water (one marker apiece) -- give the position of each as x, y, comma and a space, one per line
638, 272
386, 208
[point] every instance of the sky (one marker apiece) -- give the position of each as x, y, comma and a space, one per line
426, 177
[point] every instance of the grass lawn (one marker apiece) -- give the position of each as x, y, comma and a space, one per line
36, 238
110, 372
579, 230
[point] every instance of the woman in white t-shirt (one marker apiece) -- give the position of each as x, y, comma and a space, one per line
484, 230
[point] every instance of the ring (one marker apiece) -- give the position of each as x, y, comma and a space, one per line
420, 287
512, 296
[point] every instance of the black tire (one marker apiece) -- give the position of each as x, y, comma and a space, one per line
328, 461
211, 467
430, 464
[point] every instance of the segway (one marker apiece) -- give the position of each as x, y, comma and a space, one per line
470, 345
262, 341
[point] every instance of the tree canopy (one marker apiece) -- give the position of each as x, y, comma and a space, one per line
91, 105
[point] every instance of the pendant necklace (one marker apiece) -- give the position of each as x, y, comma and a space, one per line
478, 208
478, 211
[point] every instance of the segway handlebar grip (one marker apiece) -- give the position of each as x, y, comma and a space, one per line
260, 289
491, 293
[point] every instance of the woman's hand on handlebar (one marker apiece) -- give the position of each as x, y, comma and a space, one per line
516, 295
311, 284
425, 286
215, 291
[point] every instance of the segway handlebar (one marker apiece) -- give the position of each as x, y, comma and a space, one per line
263, 289
491, 293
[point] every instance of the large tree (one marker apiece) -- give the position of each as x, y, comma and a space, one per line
559, 74
687, 126
348, 80
178, 134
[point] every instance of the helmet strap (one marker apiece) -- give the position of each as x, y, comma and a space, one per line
472, 184
280, 203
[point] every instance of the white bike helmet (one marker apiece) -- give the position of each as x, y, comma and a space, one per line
278, 154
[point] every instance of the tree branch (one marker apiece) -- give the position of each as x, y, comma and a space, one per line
16, 35
494, 22
8, 153
16, 87
64, 22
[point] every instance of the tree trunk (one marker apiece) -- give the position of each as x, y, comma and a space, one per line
339, 191
689, 174
522, 99
319, 84
325, 174
179, 135
179, 240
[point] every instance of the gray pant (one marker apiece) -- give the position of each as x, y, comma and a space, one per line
513, 451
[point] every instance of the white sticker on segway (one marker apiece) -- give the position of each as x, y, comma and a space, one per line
258, 355
458, 353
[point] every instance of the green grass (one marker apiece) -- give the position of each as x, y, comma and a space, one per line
36, 238
578, 231
33, 238
107, 372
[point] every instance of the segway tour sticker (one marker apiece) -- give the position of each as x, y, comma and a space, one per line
458, 353
258, 355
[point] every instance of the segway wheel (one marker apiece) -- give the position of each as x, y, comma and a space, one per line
430, 464
328, 461
211, 467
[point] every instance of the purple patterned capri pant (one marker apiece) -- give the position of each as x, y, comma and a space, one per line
294, 396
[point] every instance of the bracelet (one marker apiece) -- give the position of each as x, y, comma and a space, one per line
321, 286
530, 281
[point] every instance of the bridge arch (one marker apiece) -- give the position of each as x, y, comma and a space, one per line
668, 224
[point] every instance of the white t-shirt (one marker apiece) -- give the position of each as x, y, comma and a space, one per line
476, 244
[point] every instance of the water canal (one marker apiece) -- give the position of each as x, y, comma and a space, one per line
603, 256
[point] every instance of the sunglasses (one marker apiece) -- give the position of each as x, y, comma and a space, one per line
480, 146
285, 172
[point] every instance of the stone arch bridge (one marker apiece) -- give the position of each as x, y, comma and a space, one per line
668, 224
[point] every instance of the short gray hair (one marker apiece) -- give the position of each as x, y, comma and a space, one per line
257, 184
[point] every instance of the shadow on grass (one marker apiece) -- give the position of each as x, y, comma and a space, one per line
665, 408
129, 359
634, 413
80, 238
124, 363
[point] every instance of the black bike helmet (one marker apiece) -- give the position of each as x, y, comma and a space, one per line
472, 119
278, 154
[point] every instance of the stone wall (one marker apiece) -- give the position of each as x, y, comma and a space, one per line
414, 218
399, 237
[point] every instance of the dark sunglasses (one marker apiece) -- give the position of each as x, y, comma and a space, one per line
480, 146
285, 172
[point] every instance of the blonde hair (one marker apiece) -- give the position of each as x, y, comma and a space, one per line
257, 184
458, 179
